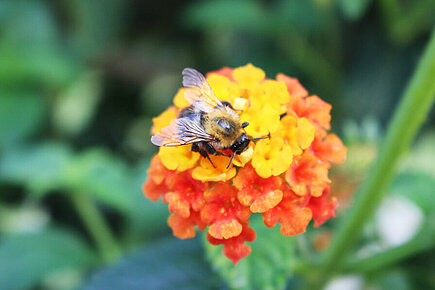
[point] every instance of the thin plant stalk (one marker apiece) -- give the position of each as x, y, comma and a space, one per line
97, 227
408, 118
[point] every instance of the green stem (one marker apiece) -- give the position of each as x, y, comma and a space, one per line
97, 227
408, 118
424, 241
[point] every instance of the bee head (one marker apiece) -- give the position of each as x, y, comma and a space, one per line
241, 144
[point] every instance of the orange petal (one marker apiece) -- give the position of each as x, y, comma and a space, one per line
177, 204
225, 71
330, 149
225, 229
266, 201
152, 190
235, 248
298, 223
182, 228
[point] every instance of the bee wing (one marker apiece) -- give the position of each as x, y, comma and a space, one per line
181, 131
199, 92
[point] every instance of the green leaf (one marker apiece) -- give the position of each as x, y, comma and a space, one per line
96, 27
96, 172
305, 17
39, 167
28, 22
418, 187
36, 66
145, 212
29, 216
27, 258
354, 9
103, 176
76, 106
267, 267
21, 115
226, 15
169, 264
30, 47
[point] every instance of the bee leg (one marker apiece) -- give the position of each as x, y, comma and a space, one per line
210, 149
195, 147
201, 149
208, 157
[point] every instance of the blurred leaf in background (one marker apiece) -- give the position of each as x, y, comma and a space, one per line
168, 264
27, 258
74, 109
21, 115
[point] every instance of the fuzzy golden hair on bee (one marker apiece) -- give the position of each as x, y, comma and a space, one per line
225, 126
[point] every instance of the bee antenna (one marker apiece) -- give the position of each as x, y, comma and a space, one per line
231, 160
259, 138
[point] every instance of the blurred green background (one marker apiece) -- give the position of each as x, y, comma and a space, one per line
80, 82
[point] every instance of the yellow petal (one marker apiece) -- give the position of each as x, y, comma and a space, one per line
179, 99
206, 171
282, 163
224, 89
243, 158
248, 76
164, 119
262, 167
275, 92
305, 133
180, 158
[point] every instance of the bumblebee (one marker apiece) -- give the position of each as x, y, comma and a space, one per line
208, 124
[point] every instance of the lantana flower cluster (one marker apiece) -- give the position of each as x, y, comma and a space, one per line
284, 177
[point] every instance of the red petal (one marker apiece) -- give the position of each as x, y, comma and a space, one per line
323, 208
184, 228
225, 71
290, 214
